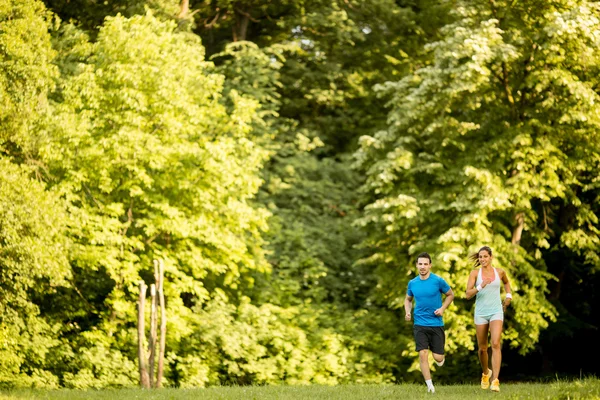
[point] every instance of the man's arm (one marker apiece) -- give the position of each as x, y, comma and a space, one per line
449, 298
408, 307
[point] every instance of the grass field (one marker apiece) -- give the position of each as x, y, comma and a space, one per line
583, 389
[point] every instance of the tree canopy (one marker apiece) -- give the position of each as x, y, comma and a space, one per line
287, 161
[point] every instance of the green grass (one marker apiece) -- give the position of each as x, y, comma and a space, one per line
583, 389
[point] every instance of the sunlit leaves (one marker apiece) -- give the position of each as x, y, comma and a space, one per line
486, 150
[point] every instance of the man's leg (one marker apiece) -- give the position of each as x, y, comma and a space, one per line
422, 341
495, 336
438, 344
424, 362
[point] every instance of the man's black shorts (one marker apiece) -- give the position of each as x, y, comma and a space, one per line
430, 337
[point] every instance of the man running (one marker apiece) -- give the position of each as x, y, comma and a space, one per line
427, 289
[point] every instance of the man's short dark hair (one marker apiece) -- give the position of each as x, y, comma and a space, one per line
424, 255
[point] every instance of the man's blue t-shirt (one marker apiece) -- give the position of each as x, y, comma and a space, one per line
428, 296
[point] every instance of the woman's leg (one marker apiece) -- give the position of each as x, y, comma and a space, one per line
482, 342
495, 336
481, 332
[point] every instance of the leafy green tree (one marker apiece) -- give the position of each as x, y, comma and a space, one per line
26, 74
321, 89
309, 246
217, 135
152, 166
90, 14
494, 142
33, 242
33, 261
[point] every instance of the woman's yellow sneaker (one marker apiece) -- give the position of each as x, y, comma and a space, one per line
495, 385
485, 379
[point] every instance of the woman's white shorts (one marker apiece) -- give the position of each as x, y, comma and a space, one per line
486, 319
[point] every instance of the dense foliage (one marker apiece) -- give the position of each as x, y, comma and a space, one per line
287, 160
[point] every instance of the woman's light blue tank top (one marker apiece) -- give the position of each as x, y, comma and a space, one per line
488, 300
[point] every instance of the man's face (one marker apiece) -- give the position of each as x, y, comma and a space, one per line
423, 265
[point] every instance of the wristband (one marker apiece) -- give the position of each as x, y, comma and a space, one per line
508, 296
479, 288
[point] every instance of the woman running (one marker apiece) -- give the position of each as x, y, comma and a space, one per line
484, 283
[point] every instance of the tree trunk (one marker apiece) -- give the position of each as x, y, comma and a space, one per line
163, 324
556, 287
518, 230
184, 9
240, 28
144, 379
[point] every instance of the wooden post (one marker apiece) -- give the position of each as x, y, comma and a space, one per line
152, 341
147, 377
144, 378
163, 324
